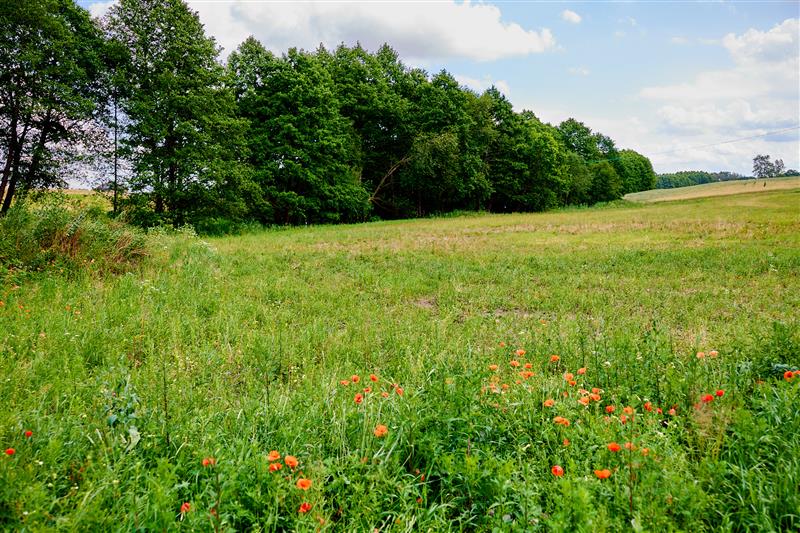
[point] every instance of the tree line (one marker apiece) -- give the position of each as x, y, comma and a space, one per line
319, 136
763, 167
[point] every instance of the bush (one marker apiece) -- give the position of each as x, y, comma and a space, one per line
53, 237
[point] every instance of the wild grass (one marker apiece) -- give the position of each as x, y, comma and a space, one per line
229, 348
716, 189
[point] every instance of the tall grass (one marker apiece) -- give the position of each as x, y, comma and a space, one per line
52, 237
230, 348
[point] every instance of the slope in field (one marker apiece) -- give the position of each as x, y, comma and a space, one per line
714, 189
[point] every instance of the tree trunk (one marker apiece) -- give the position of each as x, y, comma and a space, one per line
12, 143
12, 184
6, 172
39, 148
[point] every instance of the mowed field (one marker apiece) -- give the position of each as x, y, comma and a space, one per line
588, 370
715, 189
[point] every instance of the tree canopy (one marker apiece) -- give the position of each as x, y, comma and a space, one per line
301, 137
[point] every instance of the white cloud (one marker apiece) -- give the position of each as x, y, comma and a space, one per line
571, 16
758, 94
418, 31
578, 71
98, 9
480, 85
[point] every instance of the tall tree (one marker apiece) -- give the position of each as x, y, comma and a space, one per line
636, 172
182, 135
50, 90
304, 153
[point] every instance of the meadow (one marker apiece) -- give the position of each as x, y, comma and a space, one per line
715, 189
627, 367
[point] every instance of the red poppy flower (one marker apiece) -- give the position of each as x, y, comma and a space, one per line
603, 474
630, 446
561, 420
520, 352
358, 398
514, 363
610, 409
373, 377
528, 366
385, 394
788, 375
648, 406
557, 471
569, 376
380, 430
303, 484
672, 412
185, 507
10, 451
720, 393
355, 379
274, 467
582, 370
29, 433
345, 382
614, 447
291, 461
209, 461
707, 398
554, 358
549, 402
273, 456
304, 508
367, 390
493, 368
399, 391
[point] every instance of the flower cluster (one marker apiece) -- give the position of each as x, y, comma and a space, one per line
360, 396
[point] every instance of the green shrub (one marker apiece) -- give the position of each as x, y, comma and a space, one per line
52, 237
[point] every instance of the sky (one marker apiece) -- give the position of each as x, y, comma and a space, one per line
675, 81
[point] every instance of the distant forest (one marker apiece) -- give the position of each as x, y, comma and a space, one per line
687, 178
180, 137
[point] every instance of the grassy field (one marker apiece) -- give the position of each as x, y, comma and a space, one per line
715, 189
504, 373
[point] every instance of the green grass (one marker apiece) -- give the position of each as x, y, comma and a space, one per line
722, 188
233, 347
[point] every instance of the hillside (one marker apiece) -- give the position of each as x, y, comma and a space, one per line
715, 189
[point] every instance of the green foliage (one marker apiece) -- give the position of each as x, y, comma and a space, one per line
606, 183
50, 237
51, 74
687, 178
301, 149
636, 172
182, 134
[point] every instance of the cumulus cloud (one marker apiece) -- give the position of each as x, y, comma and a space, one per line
98, 9
760, 93
571, 16
480, 85
418, 31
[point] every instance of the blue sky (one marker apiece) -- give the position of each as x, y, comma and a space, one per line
662, 78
